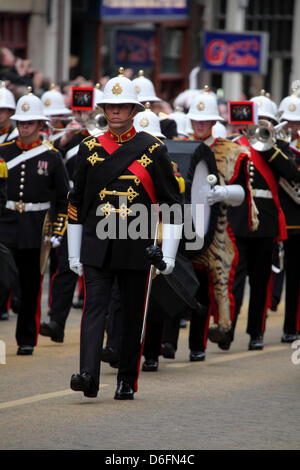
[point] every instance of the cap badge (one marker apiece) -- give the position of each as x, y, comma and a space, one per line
292, 107
144, 122
138, 89
117, 89
25, 107
47, 102
201, 106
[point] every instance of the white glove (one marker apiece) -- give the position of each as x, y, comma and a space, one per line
74, 232
55, 241
171, 236
232, 194
76, 266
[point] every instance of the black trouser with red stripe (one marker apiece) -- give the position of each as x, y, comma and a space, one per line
255, 260
292, 284
63, 284
98, 285
28, 321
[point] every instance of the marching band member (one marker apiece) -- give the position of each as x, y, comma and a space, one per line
135, 166
36, 176
289, 200
7, 108
255, 249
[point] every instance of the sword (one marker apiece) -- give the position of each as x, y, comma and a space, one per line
161, 266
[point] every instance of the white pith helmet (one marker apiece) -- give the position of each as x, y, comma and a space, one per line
29, 108
98, 94
290, 107
219, 130
54, 103
7, 99
204, 107
148, 121
265, 106
180, 118
120, 90
144, 88
274, 105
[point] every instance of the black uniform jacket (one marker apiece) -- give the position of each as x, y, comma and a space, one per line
291, 208
40, 179
107, 194
281, 163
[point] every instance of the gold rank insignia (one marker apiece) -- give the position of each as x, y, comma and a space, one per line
47, 102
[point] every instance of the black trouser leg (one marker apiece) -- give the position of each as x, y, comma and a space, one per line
292, 284
154, 334
28, 321
199, 323
239, 282
132, 286
171, 331
97, 285
62, 287
259, 270
114, 318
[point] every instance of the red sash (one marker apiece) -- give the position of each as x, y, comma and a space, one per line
135, 167
267, 173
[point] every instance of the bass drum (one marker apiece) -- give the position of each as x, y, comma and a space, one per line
200, 218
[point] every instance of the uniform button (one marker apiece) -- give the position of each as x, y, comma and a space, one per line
22, 173
21, 186
114, 191
22, 180
251, 180
23, 165
21, 194
61, 218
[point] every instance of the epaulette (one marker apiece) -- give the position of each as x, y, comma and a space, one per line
3, 169
155, 137
87, 137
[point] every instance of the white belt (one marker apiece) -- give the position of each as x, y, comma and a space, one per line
264, 193
27, 206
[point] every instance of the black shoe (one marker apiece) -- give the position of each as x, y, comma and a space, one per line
84, 383
25, 350
168, 351
78, 303
256, 343
197, 356
124, 391
4, 316
150, 365
110, 355
53, 330
287, 338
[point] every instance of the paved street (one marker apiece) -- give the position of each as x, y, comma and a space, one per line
238, 399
